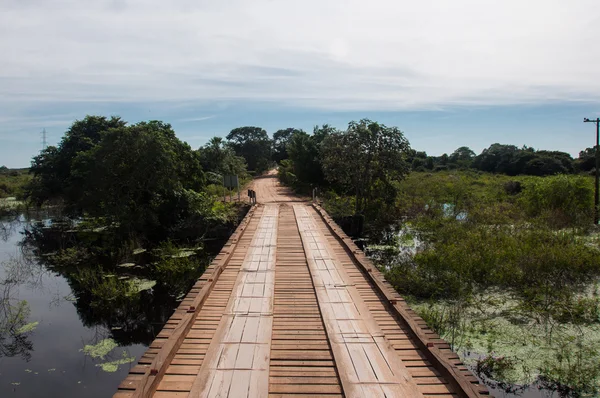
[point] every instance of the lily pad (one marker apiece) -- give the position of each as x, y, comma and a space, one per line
184, 253
101, 349
139, 284
112, 366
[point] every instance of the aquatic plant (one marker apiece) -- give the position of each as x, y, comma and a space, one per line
113, 366
101, 349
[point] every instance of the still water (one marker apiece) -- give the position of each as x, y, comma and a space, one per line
45, 327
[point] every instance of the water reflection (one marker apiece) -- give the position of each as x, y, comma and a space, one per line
118, 298
14, 340
64, 303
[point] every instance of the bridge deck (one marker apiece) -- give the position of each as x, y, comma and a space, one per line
292, 308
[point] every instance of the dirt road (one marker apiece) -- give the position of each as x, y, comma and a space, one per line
269, 190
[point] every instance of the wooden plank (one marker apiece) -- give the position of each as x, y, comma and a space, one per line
457, 377
149, 382
348, 322
298, 331
237, 351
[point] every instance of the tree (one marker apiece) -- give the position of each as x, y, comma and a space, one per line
586, 160
511, 160
463, 157
219, 158
141, 180
565, 159
52, 168
141, 177
281, 139
497, 158
366, 156
304, 152
543, 166
253, 144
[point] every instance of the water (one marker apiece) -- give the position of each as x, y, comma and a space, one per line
49, 360
522, 341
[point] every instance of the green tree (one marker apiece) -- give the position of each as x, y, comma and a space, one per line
141, 177
217, 157
366, 156
463, 157
586, 160
511, 160
281, 139
52, 176
543, 166
140, 180
253, 144
305, 153
497, 158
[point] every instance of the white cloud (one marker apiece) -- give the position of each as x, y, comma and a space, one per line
326, 54
196, 119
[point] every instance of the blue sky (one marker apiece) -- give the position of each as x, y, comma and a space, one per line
467, 72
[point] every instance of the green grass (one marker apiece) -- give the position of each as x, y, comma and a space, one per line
13, 182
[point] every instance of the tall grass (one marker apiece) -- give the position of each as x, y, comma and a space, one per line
13, 182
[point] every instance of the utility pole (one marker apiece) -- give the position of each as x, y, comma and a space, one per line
596, 192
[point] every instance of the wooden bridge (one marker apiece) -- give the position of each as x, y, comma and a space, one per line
292, 308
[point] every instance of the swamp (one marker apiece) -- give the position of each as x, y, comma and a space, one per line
506, 269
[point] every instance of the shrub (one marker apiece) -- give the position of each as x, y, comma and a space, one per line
561, 200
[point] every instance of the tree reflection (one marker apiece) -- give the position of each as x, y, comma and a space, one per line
131, 303
14, 313
8, 226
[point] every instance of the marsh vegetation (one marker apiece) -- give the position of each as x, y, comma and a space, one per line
509, 277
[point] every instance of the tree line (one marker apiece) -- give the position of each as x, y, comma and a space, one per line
142, 177
506, 159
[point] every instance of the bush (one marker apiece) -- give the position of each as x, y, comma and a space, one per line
543, 267
562, 200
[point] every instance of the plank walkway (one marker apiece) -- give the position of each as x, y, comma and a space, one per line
292, 308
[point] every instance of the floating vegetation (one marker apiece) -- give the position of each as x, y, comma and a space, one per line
101, 349
113, 366
509, 348
140, 284
28, 370
183, 253
30, 327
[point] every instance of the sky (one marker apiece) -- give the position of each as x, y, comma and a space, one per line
447, 73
